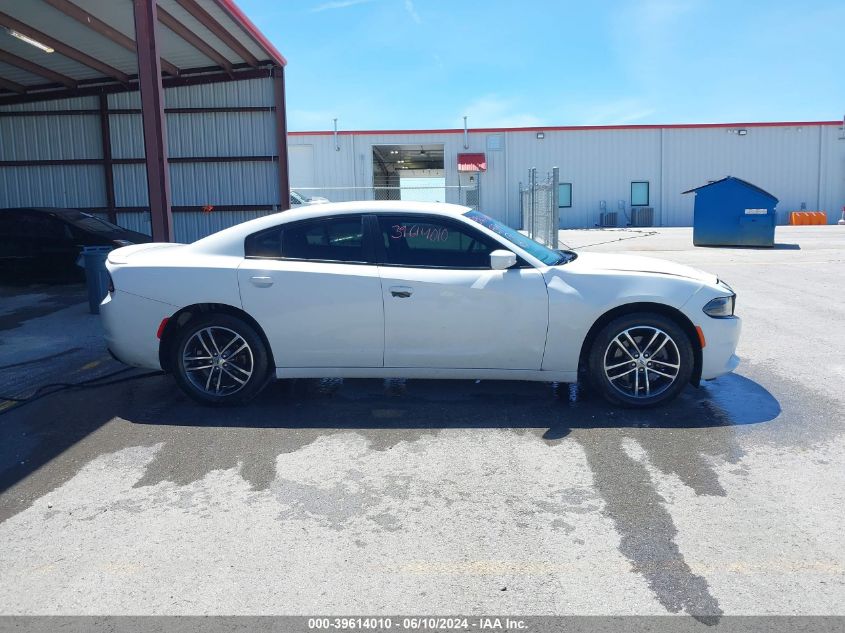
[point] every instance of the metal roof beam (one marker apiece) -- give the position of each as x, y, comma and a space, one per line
281, 137
194, 40
63, 49
204, 18
8, 84
153, 119
36, 69
95, 24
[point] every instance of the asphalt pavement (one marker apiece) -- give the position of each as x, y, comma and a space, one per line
398, 497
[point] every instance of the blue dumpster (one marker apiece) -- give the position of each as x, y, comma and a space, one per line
96, 276
733, 212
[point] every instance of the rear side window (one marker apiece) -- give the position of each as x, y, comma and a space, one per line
433, 242
330, 239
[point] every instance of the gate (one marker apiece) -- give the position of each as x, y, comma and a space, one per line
539, 206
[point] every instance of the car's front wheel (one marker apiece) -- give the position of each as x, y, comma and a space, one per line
220, 359
641, 360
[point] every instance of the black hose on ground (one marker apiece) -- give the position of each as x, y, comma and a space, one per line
91, 383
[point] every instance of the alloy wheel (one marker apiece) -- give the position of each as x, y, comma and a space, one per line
217, 361
642, 362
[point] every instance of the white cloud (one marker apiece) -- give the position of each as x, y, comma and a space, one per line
496, 111
412, 11
337, 4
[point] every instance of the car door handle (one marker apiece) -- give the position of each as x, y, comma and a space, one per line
401, 292
262, 282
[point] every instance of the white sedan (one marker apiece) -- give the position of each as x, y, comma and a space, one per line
411, 290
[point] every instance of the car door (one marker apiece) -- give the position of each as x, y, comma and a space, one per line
13, 247
48, 241
444, 307
315, 291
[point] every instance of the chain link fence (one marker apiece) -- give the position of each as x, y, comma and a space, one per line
455, 194
539, 207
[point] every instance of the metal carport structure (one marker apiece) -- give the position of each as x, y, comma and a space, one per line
76, 64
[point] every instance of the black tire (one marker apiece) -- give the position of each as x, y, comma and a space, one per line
220, 385
635, 370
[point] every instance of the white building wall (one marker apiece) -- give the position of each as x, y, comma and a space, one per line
347, 173
796, 163
782, 160
600, 164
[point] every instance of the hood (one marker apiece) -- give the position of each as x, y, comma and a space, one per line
636, 264
124, 254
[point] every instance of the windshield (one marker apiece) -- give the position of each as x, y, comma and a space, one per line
543, 253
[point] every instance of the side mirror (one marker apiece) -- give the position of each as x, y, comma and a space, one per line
502, 260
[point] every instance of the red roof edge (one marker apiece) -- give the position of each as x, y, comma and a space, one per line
234, 12
557, 128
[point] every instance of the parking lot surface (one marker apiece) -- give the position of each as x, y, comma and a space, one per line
393, 497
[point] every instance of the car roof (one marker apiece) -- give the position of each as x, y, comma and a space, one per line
224, 240
58, 210
376, 207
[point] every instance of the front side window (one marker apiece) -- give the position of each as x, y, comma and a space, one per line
427, 241
639, 194
535, 249
330, 239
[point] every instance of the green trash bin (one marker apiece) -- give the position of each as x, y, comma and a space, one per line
96, 275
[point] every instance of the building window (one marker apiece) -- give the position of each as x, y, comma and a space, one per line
564, 195
639, 194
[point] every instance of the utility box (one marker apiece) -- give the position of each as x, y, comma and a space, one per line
96, 275
733, 212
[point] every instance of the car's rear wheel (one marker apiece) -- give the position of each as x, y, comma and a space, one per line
641, 360
220, 360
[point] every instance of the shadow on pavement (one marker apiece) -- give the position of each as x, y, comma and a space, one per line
422, 404
59, 435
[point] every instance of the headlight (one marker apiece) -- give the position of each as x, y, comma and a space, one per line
720, 307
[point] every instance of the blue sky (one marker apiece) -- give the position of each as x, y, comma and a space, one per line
408, 64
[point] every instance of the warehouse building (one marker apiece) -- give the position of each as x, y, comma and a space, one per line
167, 117
612, 175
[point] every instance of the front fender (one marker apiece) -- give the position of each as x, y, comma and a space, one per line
578, 300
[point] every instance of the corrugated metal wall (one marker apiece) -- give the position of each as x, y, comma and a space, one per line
796, 163
197, 135
51, 137
231, 134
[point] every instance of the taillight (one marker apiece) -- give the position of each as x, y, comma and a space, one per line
111, 283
